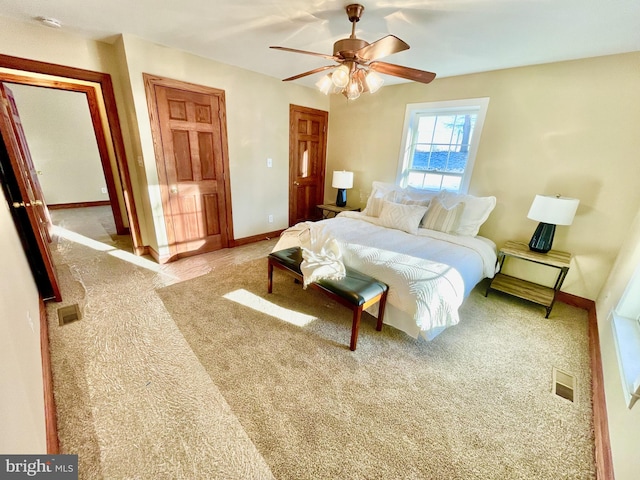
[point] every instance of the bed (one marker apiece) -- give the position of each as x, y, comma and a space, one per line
423, 245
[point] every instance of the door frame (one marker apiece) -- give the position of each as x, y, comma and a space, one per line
71, 78
150, 82
292, 148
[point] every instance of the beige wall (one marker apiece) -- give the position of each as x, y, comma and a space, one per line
558, 128
257, 128
63, 145
22, 401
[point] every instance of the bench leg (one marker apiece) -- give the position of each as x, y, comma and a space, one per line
270, 277
357, 315
383, 304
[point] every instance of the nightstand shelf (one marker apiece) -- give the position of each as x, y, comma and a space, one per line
330, 210
518, 287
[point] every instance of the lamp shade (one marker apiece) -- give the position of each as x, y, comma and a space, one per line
342, 179
555, 210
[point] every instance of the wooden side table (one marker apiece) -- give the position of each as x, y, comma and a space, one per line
540, 294
330, 210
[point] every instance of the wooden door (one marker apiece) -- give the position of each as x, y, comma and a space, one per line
39, 205
307, 158
191, 155
27, 209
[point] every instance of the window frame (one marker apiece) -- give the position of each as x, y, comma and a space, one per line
413, 112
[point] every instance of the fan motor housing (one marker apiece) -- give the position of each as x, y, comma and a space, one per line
347, 47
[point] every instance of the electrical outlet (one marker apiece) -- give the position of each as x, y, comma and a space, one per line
269, 162
104, 190
270, 218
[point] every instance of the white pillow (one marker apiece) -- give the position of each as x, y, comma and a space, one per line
401, 217
379, 191
441, 218
475, 213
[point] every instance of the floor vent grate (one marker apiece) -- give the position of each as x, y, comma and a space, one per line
69, 314
564, 385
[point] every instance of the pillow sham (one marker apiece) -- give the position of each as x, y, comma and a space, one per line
441, 218
379, 191
401, 217
475, 213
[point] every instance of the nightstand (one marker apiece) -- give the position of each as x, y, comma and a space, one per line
540, 294
330, 210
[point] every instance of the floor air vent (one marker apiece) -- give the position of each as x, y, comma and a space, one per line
69, 314
564, 385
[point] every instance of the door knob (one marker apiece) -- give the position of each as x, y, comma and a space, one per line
173, 189
37, 203
297, 184
20, 204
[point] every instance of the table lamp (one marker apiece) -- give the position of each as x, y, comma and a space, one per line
550, 210
342, 180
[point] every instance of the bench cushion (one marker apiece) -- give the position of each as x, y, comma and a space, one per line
357, 288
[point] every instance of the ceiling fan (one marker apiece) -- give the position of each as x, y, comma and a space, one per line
357, 62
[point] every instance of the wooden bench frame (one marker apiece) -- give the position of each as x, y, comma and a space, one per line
356, 309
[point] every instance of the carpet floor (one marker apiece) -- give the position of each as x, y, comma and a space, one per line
476, 402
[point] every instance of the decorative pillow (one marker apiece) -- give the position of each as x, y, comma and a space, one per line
379, 191
476, 211
401, 217
441, 218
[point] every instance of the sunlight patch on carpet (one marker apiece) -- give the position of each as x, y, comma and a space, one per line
103, 247
248, 299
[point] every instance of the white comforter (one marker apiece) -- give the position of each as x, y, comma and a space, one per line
429, 274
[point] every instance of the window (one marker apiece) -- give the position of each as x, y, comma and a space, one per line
440, 141
626, 333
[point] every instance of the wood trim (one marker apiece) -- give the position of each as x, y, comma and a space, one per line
106, 90
62, 206
602, 447
256, 238
98, 129
50, 416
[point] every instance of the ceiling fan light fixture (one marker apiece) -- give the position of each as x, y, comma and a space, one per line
325, 84
353, 90
340, 76
374, 81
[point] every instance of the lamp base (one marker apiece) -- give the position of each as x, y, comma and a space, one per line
341, 199
542, 238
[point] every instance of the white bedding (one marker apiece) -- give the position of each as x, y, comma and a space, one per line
429, 274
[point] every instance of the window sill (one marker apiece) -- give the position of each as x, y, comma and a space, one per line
626, 334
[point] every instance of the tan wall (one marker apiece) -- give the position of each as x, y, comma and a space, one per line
559, 128
22, 400
257, 128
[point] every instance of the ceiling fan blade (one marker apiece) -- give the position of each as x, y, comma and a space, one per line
328, 57
402, 72
382, 48
310, 72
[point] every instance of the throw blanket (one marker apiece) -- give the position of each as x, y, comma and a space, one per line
323, 262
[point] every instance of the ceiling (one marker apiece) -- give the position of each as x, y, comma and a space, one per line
448, 37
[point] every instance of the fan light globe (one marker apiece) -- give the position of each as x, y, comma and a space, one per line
353, 90
325, 84
340, 76
374, 81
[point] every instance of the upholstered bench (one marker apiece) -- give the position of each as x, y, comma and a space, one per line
356, 290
